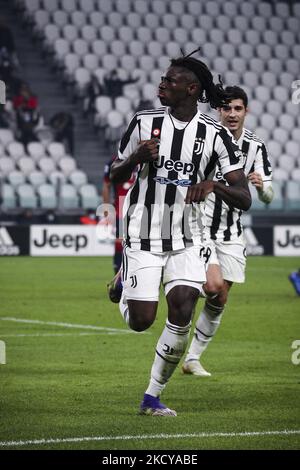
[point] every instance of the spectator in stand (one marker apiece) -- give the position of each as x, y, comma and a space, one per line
8, 57
113, 84
93, 90
62, 125
27, 114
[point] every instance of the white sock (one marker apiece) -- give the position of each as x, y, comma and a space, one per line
124, 310
169, 350
205, 328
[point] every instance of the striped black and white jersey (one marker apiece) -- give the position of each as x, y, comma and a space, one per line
156, 217
224, 222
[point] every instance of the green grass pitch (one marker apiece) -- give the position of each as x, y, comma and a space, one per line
62, 382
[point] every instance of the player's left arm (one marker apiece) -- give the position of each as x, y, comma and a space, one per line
261, 177
237, 194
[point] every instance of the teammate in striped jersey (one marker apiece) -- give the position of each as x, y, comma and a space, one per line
228, 261
176, 148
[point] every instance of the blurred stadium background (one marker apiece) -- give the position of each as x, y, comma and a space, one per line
51, 188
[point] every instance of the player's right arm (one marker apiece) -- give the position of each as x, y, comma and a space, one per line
145, 152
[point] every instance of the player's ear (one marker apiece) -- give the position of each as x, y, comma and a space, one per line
193, 89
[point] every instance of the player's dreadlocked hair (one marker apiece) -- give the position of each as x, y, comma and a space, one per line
211, 93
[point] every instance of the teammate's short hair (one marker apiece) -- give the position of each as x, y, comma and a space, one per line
211, 93
237, 93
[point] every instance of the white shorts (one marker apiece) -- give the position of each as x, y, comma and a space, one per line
231, 256
143, 271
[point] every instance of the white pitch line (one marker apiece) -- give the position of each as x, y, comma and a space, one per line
66, 325
60, 334
285, 432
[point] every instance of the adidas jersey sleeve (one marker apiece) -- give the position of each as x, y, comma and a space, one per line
262, 166
229, 154
130, 139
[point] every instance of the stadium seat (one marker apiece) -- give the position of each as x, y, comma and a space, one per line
264, 9
246, 9
280, 174
82, 77
41, 19
287, 162
195, 8
7, 165
16, 150
256, 107
296, 174
56, 178
274, 149
70, 32
125, 34
26, 165
115, 19
169, 21
47, 196
88, 6
56, 150
292, 192
151, 21
61, 49
103, 104
68, 198
6, 136
144, 35
89, 196
15, 178
268, 121
90, 62
115, 126
286, 121
124, 6
269, 79
77, 178
158, 7
228, 51
60, 18
281, 135
278, 201
187, 21
36, 178
50, 6
293, 148
118, 48
242, 23
71, 63
26, 196
280, 93
97, 19
47, 165
220, 65
252, 37
256, 203
68, 5
99, 47
80, 47
78, 18
276, 24
67, 165
133, 20
8, 196
282, 9
230, 9
141, 7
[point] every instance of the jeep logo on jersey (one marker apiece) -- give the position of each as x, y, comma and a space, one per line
177, 166
199, 145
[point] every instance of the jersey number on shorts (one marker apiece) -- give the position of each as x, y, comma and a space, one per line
205, 253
